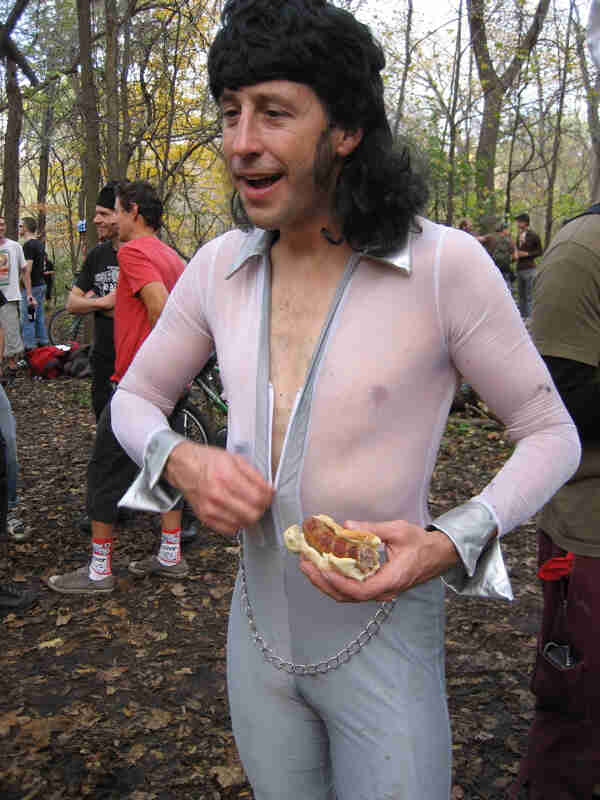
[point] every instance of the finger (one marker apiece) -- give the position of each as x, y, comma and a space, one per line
383, 584
250, 472
319, 579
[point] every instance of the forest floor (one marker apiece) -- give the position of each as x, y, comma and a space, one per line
124, 696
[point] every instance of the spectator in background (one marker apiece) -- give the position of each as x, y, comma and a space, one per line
563, 755
33, 331
528, 248
8, 429
148, 271
501, 248
466, 225
12, 271
95, 291
49, 272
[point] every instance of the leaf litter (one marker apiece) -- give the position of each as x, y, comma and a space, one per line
129, 699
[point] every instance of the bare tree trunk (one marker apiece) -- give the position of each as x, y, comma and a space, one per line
111, 89
44, 160
88, 101
125, 151
453, 126
14, 125
592, 91
405, 69
564, 69
495, 87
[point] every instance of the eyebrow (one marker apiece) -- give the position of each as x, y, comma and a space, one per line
259, 99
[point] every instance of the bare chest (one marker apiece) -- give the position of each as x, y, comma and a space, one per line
297, 319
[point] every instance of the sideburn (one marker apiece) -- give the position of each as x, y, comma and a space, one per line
325, 161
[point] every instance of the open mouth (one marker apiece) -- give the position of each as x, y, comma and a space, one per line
262, 183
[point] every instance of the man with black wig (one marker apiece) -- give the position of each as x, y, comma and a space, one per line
341, 321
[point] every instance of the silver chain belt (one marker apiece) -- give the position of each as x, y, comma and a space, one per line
370, 630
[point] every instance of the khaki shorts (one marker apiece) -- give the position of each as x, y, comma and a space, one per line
11, 325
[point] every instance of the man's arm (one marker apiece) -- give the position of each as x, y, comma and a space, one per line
80, 302
26, 279
154, 296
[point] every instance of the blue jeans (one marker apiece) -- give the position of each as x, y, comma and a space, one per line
9, 433
34, 333
525, 278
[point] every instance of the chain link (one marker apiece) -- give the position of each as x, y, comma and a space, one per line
370, 630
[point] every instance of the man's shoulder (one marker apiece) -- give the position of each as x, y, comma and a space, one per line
10, 244
577, 240
230, 249
103, 253
32, 245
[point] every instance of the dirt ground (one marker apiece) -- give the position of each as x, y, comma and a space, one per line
124, 696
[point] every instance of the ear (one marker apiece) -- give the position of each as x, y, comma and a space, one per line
347, 141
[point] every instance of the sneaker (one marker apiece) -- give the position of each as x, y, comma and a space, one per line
189, 532
152, 566
13, 598
79, 582
85, 525
16, 529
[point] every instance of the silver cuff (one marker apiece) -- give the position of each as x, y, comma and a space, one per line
148, 492
471, 527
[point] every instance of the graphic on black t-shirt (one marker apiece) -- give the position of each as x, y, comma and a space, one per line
106, 281
100, 273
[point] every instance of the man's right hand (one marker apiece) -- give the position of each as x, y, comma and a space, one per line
225, 491
107, 302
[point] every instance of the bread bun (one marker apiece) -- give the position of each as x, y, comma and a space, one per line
327, 544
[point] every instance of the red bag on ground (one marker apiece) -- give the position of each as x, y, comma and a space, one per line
48, 361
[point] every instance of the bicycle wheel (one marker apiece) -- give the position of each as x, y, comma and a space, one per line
193, 424
64, 327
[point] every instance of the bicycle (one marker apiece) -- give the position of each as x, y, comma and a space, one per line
199, 428
64, 327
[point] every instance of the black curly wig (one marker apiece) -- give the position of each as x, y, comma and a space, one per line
315, 43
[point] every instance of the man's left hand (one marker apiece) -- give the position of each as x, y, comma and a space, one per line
414, 556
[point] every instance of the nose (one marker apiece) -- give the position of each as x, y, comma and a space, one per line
245, 137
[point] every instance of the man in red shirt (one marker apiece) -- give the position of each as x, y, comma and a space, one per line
148, 271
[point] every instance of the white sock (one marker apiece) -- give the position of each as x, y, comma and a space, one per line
101, 563
170, 547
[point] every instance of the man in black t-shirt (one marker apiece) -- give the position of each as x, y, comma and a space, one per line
34, 331
95, 290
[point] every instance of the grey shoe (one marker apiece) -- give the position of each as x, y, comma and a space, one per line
16, 529
189, 532
152, 566
79, 582
14, 597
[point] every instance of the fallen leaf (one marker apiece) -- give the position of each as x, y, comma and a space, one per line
51, 643
228, 775
135, 753
157, 719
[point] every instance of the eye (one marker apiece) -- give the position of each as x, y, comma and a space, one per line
229, 114
275, 113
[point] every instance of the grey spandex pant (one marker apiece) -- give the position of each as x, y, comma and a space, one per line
374, 729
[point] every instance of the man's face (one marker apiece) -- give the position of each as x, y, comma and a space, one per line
2, 228
283, 155
105, 221
21, 229
125, 221
521, 225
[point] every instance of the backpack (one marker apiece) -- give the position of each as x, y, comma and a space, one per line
77, 363
503, 253
48, 361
